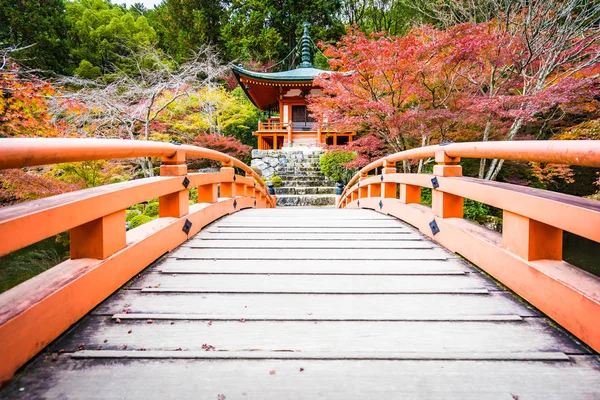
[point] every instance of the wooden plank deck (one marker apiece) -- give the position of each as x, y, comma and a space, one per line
311, 303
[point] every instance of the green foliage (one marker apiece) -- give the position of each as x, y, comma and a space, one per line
426, 197
193, 195
184, 25
332, 165
87, 71
39, 24
102, 33
131, 214
28, 262
139, 220
276, 181
472, 210
152, 209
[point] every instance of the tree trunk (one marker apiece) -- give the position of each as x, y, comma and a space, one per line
496, 165
421, 161
486, 136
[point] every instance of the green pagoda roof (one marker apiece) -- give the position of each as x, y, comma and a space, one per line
298, 74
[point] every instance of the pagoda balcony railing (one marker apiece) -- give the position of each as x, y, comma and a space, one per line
271, 125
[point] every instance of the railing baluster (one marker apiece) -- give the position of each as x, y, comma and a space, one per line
174, 204
99, 238
388, 189
531, 239
446, 205
228, 187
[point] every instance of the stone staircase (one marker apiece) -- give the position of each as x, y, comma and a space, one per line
303, 184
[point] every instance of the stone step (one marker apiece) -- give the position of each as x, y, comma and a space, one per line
320, 182
305, 190
306, 200
301, 175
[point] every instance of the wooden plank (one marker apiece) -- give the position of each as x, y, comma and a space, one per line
325, 306
309, 379
235, 317
323, 355
321, 230
303, 254
307, 244
315, 267
534, 335
315, 283
315, 291
305, 223
331, 236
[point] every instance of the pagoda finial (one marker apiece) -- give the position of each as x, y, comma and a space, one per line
305, 42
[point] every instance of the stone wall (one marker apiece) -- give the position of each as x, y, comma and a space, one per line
277, 161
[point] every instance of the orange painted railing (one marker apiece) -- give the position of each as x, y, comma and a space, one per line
527, 255
271, 125
104, 256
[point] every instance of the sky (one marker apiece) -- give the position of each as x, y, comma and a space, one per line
148, 3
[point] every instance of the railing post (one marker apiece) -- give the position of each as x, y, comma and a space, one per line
446, 205
227, 188
531, 239
174, 204
388, 189
250, 190
100, 238
363, 191
208, 193
410, 194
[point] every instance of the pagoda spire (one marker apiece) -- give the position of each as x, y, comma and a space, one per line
305, 43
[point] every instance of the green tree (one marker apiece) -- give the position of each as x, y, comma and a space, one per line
267, 30
101, 33
40, 25
185, 25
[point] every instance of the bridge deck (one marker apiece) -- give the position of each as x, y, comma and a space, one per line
312, 303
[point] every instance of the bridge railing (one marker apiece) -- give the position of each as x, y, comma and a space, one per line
104, 255
527, 255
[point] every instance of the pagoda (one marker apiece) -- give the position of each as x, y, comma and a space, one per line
283, 95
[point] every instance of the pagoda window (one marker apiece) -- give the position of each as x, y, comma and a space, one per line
302, 119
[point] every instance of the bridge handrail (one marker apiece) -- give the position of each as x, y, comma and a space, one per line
104, 255
527, 256
28, 152
583, 153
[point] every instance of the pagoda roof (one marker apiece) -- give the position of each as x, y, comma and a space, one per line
306, 74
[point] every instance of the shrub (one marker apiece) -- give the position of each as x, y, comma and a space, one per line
131, 214
193, 195
257, 170
276, 181
139, 220
225, 144
332, 165
152, 209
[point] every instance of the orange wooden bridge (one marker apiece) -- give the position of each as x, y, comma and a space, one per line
232, 298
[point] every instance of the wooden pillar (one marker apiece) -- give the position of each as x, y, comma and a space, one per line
446, 205
208, 193
388, 189
410, 194
363, 190
374, 190
335, 139
531, 239
227, 185
319, 135
174, 204
289, 135
99, 238
274, 147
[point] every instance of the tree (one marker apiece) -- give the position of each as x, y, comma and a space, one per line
185, 25
102, 34
39, 29
132, 101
